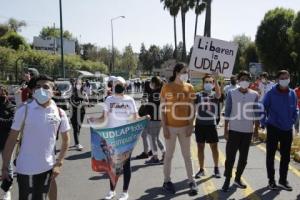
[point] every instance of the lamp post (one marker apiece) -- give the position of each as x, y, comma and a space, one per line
112, 43
61, 41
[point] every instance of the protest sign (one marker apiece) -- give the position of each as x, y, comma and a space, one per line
213, 56
111, 147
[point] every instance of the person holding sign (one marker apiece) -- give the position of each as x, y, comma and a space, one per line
177, 104
119, 110
241, 112
206, 122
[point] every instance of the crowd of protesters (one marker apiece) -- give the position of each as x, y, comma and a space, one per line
174, 108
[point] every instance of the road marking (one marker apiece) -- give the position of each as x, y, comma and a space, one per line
208, 186
248, 192
291, 168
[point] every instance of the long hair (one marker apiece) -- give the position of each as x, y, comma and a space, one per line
178, 67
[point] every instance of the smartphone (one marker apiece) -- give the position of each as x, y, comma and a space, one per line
6, 184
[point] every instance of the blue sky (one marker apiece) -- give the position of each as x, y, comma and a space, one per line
146, 20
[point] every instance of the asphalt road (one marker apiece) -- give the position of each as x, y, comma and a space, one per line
79, 182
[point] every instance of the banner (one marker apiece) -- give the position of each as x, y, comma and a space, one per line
211, 55
111, 147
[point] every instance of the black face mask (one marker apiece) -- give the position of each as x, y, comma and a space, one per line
233, 82
119, 89
2, 99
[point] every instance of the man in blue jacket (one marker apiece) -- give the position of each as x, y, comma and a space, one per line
280, 105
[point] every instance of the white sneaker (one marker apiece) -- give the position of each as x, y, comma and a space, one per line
7, 196
124, 196
110, 195
79, 147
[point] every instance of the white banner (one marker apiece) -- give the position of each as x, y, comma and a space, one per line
213, 55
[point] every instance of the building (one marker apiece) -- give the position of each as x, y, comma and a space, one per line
52, 45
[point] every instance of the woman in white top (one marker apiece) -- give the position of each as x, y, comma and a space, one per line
119, 110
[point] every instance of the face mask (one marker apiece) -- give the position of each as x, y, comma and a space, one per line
184, 77
233, 82
152, 86
208, 87
42, 96
119, 89
244, 84
284, 83
2, 99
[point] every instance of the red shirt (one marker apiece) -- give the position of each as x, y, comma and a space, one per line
297, 90
25, 94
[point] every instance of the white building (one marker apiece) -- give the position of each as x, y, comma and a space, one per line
52, 45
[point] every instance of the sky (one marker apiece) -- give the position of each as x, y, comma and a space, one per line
145, 20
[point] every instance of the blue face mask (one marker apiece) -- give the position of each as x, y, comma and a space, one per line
208, 87
42, 96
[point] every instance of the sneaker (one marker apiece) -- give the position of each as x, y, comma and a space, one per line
124, 196
110, 195
226, 184
152, 161
240, 184
143, 155
79, 147
217, 172
169, 187
200, 173
193, 188
285, 186
7, 195
272, 185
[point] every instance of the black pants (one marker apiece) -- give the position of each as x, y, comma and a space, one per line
285, 138
237, 141
127, 176
34, 187
76, 123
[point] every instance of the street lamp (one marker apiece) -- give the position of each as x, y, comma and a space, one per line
112, 43
61, 41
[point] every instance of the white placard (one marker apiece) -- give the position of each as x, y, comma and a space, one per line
213, 55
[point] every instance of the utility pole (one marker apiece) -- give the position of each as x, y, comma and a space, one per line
62, 41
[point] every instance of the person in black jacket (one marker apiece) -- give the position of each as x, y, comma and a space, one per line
78, 112
7, 110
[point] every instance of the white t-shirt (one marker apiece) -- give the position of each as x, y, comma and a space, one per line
41, 125
264, 88
119, 110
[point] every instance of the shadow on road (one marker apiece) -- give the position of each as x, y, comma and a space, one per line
218, 194
264, 193
100, 177
79, 156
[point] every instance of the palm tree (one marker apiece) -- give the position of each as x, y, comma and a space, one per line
207, 26
173, 8
185, 6
199, 8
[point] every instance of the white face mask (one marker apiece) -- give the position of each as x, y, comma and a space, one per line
284, 83
208, 87
244, 84
42, 96
184, 77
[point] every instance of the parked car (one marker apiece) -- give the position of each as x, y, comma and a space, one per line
98, 91
63, 92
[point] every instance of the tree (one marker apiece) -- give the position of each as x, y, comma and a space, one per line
166, 52
199, 8
144, 58
89, 52
273, 40
54, 32
4, 28
240, 63
129, 60
295, 42
16, 25
173, 7
185, 6
207, 25
13, 40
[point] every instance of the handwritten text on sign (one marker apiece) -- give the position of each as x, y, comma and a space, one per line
212, 55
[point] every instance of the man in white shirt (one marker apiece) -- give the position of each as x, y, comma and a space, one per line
264, 86
40, 120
